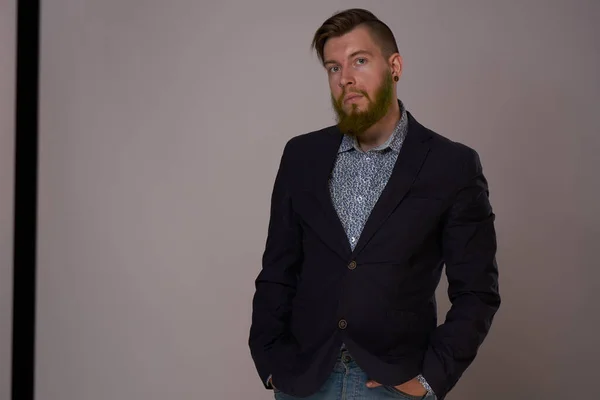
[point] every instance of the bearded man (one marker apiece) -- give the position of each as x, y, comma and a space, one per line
364, 216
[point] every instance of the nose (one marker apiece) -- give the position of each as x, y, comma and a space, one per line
346, 79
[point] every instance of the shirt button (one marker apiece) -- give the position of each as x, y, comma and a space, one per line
352, 265
359, 198
342, 324
353, 239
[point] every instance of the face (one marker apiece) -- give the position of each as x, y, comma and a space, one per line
360, 80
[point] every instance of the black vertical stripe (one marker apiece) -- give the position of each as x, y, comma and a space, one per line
25, 206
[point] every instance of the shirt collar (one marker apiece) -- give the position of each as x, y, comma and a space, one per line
394, 141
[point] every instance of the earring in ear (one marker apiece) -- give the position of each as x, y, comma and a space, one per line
396, 78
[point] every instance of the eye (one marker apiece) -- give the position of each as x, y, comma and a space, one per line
333, 69
361, 60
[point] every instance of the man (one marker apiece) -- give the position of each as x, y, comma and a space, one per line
364, 215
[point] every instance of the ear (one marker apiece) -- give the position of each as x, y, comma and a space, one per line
395, 62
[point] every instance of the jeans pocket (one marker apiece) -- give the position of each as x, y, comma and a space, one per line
404, 396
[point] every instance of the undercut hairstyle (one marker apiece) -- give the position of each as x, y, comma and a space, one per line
343, 22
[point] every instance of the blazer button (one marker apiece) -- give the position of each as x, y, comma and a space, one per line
352, 265
342, 324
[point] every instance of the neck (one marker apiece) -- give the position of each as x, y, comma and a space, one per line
381, 131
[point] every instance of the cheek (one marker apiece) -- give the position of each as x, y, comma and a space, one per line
335, 90
369, 83
372, 91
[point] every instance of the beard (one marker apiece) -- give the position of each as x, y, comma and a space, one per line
357, 122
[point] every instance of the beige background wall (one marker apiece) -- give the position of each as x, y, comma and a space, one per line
162, 124
7, 164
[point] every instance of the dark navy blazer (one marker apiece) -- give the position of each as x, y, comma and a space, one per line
314, 293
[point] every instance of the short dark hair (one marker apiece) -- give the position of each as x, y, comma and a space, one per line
345, 21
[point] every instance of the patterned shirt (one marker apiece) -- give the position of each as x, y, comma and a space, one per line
359, 177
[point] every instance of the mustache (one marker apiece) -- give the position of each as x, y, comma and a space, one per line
346, 92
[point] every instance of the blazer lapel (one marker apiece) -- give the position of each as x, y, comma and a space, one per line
410, 159
326, 223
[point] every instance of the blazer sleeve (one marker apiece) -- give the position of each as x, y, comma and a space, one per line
469, 248
275, 286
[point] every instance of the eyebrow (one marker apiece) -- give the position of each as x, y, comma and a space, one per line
350, 56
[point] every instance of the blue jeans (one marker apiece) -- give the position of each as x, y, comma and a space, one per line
348, 382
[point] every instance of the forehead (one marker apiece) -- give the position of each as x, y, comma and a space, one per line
357, 39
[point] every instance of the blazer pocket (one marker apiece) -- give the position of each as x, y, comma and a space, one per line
407, 320
422, 201
412, 322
